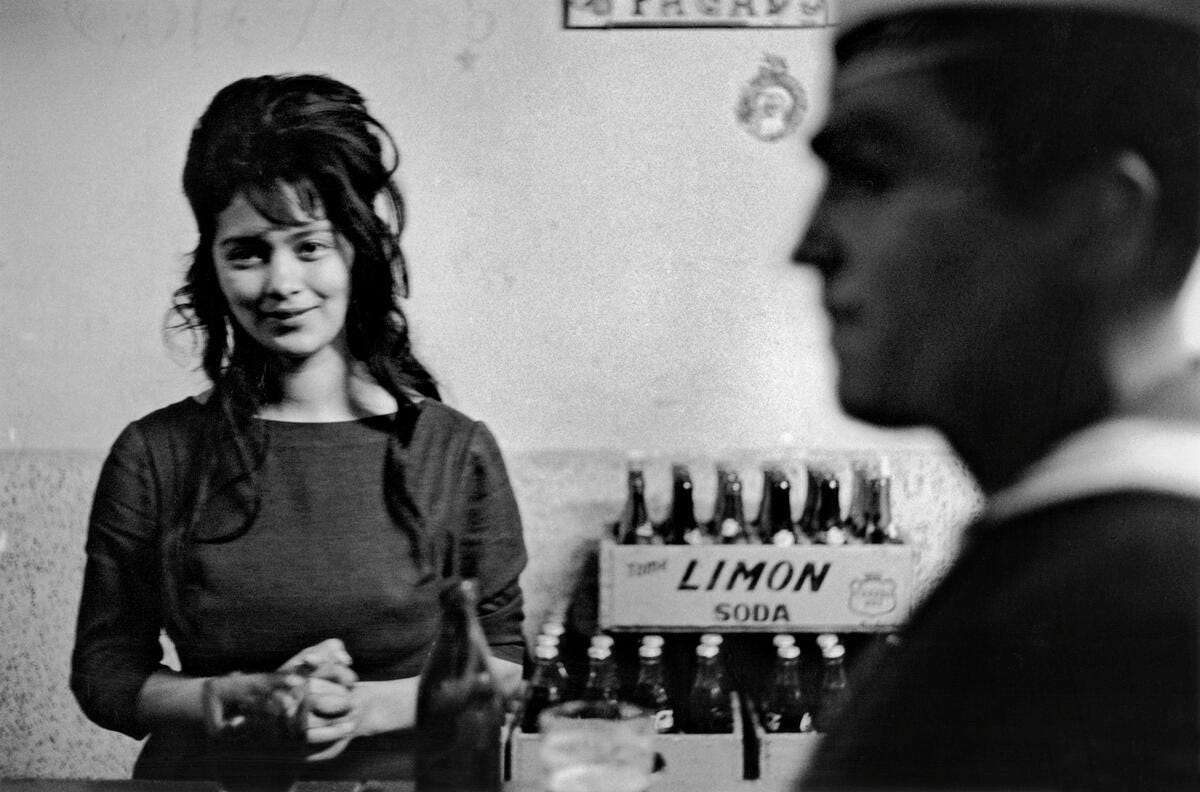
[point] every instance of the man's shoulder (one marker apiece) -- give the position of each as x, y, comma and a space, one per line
1125, 560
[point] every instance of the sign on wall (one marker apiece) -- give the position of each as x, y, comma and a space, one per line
610, 14
731, 588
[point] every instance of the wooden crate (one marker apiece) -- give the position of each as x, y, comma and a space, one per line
710, 762
776, 759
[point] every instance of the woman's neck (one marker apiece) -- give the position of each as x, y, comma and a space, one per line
326, 387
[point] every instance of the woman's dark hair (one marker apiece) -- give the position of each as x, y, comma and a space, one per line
1056, 91
297, 147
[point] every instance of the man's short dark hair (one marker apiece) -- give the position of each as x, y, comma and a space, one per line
1057, 91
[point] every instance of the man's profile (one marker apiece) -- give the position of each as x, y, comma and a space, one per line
1012, 208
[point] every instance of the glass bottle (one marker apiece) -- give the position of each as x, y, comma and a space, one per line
785, 707
681, 526
710, 709
776, 523
861, 496
602, 684
881, 529
459, 708
731, 520
635, 526
651, 690
547, 686
829, 512
834, 688
806, 526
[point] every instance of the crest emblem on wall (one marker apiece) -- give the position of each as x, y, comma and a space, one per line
772, 105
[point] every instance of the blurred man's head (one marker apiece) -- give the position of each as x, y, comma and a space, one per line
1005, 187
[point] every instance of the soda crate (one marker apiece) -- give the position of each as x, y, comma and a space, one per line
711, 762
777, 758
755, 588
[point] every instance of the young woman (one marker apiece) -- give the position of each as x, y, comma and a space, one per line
290, 529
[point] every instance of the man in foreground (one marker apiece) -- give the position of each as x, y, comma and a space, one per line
1011, 212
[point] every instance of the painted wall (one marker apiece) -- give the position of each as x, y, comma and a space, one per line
598, 250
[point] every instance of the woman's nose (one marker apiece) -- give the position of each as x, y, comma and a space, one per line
284, 273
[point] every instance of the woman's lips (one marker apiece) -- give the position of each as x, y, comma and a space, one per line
285, 318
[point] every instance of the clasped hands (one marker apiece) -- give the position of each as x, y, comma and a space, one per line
306, 708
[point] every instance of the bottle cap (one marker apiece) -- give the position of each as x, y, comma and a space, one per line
789, 652
833, 652
707, 650
545, 652
652, 640
783, 639
598, 652
554, 628
603, 640
825, 640
712, 639
646, 650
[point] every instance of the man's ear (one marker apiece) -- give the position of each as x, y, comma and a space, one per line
1110, 212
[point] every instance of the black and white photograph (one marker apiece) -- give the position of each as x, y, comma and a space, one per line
599, 395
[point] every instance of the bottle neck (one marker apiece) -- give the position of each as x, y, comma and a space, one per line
787, 670
650, 672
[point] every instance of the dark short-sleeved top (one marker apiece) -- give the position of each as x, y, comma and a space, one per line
1060, 652
324, 558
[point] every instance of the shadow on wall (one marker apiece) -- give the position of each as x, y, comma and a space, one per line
565, 497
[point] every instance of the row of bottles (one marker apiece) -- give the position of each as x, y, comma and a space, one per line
868, 520
788, 702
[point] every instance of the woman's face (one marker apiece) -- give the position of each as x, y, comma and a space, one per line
288, 286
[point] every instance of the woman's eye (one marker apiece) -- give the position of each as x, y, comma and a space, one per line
243, 257
311, 249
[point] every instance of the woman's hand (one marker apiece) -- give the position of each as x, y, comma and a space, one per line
267, 708
333, 715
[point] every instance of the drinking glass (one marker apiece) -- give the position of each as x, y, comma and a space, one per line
597, 746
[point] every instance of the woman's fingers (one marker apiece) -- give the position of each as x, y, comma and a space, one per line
334, 672
329, 651
328, 699
329, 732
328, 752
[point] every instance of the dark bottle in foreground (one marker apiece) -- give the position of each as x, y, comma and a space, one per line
459, 708
651, 690
710, 709
785, 707
681, 526
635, 526
834, 688
547, 686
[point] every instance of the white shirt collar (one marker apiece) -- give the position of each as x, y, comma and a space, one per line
1119, 454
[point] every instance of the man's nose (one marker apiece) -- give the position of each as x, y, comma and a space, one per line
818, 246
